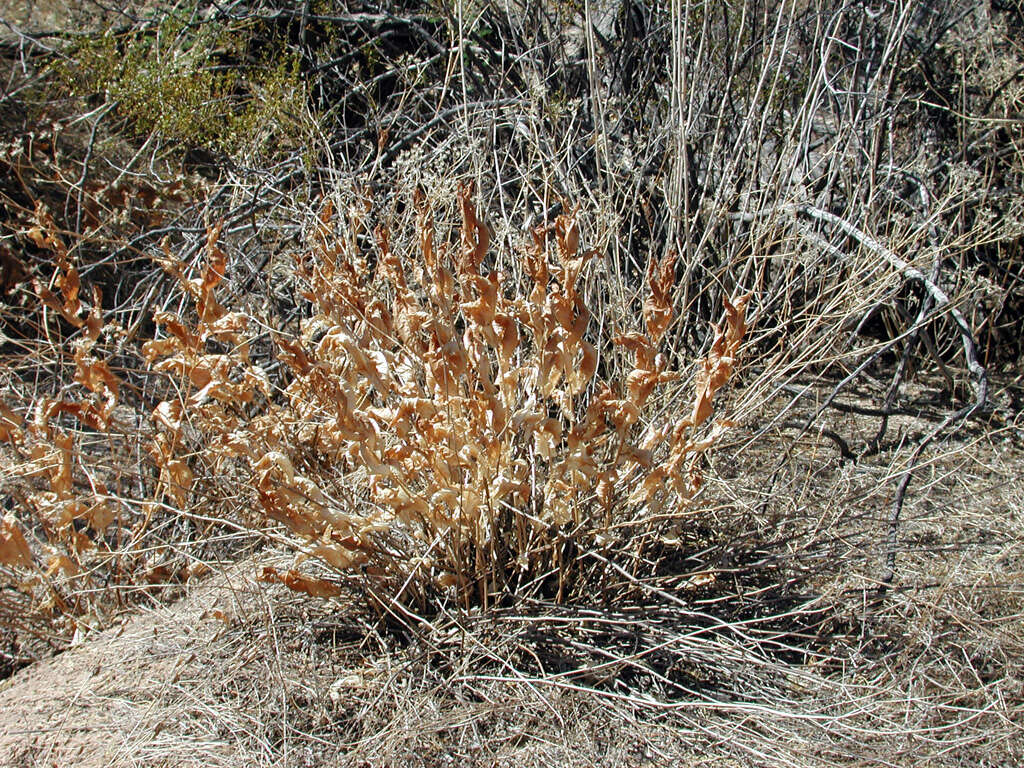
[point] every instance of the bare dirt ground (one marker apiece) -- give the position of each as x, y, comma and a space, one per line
59, 15
99, 703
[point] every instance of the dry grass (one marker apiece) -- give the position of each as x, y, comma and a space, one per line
549, 490
930, 676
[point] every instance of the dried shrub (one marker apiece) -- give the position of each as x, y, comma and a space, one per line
81, 533
445, 428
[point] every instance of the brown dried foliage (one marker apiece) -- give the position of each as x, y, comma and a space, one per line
443, 428
459, 413
70, 534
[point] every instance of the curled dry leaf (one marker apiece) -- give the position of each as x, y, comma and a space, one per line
658, 305
475, 236
60, 563
721, 359
100, 515
60, 474
10, 425
44, 233
14, 549
66, 309
176, 477
168, 415
96, 376
299, 583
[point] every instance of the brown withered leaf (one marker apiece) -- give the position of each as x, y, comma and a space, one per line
622, 414
475, 236
47, 241
652, 483
567, 237
580, 375
658, 306
228, 328
70, 286
296, 582
326, 214
157, 348
44, 410
60, 475
406, 506
178, 480
95, 375
207, 306
68, 311
721, 359
698, 580
188, 340
89, 413
168, 414
640, 346
172, 265
507, 334
61, 563
551, 368
391, 268
10, 425
641, 383
293, 355
216, 259
100, 515
14, 550
535, 263
78, 542
605, 490
175, 475
482, 311
340, 557
736, 317
94, 320
45, 232
278, 507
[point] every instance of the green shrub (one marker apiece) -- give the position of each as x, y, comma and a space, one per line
183, 82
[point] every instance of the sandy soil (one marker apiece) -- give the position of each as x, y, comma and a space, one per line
94, 704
